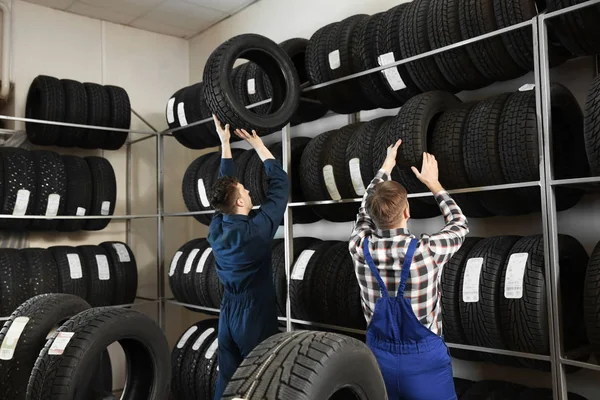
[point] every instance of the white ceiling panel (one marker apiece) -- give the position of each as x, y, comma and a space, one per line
181, 18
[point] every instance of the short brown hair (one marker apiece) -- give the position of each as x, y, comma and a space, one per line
224, 194
386, 203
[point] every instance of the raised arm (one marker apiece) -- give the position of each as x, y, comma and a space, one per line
227, 167
447, 241
364, 225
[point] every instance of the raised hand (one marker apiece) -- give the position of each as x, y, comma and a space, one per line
429, 173
223, 133
390, 159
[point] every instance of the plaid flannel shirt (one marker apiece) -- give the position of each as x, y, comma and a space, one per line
388, 248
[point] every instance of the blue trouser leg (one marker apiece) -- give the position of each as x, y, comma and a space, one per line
229, 354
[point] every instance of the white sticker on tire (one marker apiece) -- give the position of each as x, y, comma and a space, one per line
251, 86
202, 338
103, 270
174, 262
186, 336
301, 264
52, 205
515, 272
122, 252
202, 193
471, 280
392, 75
170, 111
212, 349
9, 344
181, 114
80, 211
330, 183
60, 343
74, 266
356, 177
189, 260
202, 261
334, 59
105, 208
527, 87
22, 202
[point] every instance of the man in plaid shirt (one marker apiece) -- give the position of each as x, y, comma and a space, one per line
389, 260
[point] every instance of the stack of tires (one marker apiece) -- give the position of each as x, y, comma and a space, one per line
592, 301
56, 343
47, 184
202, 174
577, 31
494, 295
65, 100
103, 275
195, 362
500, 390
323, 285
592, 126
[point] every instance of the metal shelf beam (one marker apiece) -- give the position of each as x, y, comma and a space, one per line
85, 217
500, 352
580, 364
575, 181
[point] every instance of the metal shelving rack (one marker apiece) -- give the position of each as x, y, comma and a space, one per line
557, 358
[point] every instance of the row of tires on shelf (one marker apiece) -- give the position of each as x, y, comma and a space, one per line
66, 100
250, 84
54, 346
102, 275
500, 390
44, 183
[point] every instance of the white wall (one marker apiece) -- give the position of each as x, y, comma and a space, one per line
283, 19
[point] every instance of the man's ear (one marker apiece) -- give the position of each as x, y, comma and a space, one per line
407, 212
240, 202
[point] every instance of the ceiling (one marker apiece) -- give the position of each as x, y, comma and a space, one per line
181, 18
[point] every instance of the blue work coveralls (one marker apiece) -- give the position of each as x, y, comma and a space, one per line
414, 361
242, 249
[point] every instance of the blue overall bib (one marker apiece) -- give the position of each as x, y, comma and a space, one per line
413, 360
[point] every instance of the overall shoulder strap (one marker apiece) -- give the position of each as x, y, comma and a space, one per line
373, 268
412, 246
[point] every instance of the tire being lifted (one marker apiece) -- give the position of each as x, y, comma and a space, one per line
274, 61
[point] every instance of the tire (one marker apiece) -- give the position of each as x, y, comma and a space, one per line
335, 158
192, 108
414, 40
323, 358
278, 271
577, 31
387, 40
57, 377
51, 180
420, 209
209, 172
481, 320
104, 192
41, 314
45, 101
296, 48
189, 260
215, 287
200, 275
519, 43
71, 274
176, 271
78, 200
172, 114
301, 277
311, 173
198, 373
189, 189
455, 65
261, 89
347, 293
592, 126
364, 57
276, 64
15, 277
325, 285
451, 303
123, 273
256, 179
209, 370
42, 271
120, 117
492, 390
98, 115
239, 87
19, 177
461, 386
75, 113
100, 275
489, 56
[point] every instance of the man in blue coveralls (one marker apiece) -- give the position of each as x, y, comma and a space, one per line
241, 241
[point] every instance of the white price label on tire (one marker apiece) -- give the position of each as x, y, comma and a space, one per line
122, 252
301, 264
52, 205
334, 59
22, 202
356, 177
80, 211
471, 280
527, 87
181, 114
189, 260
329, 178
9, 344
103, 269
60, 343
251, 86
75, 266
202, 193
170, 111
515, 273
202, 339
212, 349
174, 262
392, 75
202, 261
105, 208
186, 336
